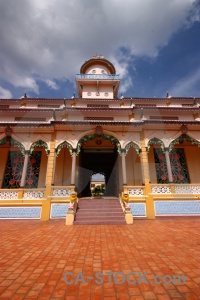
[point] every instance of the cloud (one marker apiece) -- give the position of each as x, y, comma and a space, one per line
187, 84
51, 39
5, 94
52, 84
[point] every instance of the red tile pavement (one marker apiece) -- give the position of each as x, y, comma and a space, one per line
35, 255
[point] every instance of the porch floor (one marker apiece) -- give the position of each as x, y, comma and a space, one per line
35, 255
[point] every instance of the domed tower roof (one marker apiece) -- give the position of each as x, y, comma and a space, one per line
100, 60
97, 79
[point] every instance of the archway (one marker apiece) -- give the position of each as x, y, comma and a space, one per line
184, 154
98, 184
98, 154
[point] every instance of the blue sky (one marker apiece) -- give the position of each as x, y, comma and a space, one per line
154, 45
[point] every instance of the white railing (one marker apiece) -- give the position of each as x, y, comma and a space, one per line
175, 188
97, 76
9, 194
33, 194
164, 189
161, 189
187, 189
135, 191
60, 191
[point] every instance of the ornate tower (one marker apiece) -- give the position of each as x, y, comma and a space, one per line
97, 79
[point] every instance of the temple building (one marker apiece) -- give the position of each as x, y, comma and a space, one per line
142, 152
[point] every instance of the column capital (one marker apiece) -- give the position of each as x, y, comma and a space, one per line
123, 150
27, 152
166, 149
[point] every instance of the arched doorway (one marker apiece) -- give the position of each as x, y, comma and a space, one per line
98, 184
98, 154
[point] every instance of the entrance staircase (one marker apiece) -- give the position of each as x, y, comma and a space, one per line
99, 211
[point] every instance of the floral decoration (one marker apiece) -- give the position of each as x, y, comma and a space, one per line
71, 207
178, 166
127, 207
14, 169
33, 170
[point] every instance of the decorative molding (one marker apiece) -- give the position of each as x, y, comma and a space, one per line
181, 139
98, 130
134, 145
84, 139
8, 131
39, 144
113, 141
157, 142
64, 144
184, 129
13, 143
90, 137
3, 141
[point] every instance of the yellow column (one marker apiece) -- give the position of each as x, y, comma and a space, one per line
46, 204
145, 167
150, 209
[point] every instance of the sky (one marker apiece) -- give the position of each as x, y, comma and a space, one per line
153, 44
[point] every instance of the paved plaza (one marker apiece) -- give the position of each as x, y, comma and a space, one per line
49, 260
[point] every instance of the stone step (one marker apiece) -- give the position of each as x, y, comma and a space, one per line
99, 208
100, 214
101, 222
99, 211
89, 217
